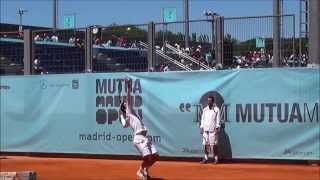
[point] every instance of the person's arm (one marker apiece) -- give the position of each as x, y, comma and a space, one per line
123, 121
218, 120
202, 121
129, 83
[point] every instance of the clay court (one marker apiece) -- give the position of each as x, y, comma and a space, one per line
99, 169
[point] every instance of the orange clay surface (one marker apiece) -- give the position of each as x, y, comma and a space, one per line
99, 169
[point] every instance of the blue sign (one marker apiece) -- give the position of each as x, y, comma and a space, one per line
260, 42
69, 21
169, 14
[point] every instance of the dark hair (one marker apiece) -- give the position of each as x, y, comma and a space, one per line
211, 97
123, 107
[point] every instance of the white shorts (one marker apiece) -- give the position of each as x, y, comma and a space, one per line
209, 138
144, 145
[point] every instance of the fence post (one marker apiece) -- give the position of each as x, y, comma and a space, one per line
314, 54
151, 45
294, 38
27, 52
219, 35
88, 50
213, 40
186, 23
276, 33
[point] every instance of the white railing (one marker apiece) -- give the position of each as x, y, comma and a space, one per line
160, 53
186, 56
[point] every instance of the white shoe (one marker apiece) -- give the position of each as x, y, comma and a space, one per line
145, 173
140, 175
216, 160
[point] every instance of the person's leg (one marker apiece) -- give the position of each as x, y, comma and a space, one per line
140, 172
205, 142
206, 152
150, 160
214, 144
211, 142
152, 157
146, 163
215, 153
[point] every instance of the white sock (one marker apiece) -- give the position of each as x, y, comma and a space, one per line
140, 172
145, 171
206, 156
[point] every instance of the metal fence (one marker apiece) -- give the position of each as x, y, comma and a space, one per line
239, 48
170, 39
11, 53
247, 42
59, 51
116, 48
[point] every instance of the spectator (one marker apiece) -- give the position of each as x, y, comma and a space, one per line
46, 37
37, 66
114, 40
122, 42
161, 68
197, 54
109, 42
166, 68
177, 46
37, 37
97, 41
71, 40
219, 66
78, 43
134, 44
209, 58
187, 51
54, 38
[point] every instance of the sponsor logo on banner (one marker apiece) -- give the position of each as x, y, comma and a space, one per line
109, 93
45, 84
75, 84
277, 112
219, 100
292, 152
4, 87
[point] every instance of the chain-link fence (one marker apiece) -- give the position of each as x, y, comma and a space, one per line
116, 48
11, 53
248, 41
170, 40
59, 51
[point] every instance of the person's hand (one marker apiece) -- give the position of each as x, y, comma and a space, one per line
129, 82
201, 130
217, 130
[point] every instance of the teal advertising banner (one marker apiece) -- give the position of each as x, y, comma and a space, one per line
267, 113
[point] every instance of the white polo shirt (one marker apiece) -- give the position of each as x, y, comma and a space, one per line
134, 122
210, 119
